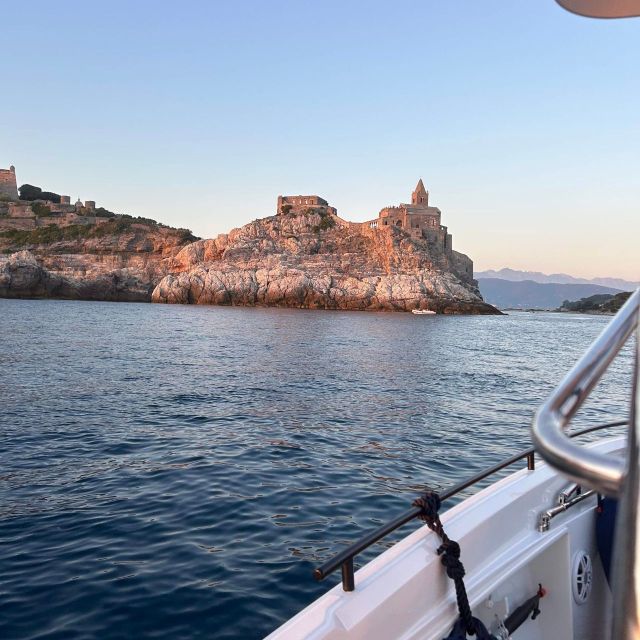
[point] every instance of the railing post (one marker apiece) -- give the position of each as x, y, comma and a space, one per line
626, 555
531, 461
348, 579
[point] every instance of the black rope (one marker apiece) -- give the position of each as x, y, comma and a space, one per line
449, 552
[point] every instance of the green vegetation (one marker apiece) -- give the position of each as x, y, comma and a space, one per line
43, 235
29, 192
327, 220
600, 303
101, 212
141, 220
41, 210
185, 235
285, 209
53, 233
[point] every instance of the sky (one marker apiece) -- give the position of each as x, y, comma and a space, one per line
522, 119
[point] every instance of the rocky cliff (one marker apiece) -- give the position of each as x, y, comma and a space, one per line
319, 261
119, 259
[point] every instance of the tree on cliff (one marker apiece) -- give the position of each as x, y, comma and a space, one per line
29, 192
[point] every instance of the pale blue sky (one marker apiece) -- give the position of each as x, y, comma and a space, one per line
522, 119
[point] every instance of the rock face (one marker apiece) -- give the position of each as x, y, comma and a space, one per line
123, 264
23, 276
320, 262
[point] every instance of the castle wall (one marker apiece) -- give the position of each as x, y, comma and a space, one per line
302, 201
20, 210
8, 185
298, 204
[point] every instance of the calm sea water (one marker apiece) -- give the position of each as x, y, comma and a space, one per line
176, 471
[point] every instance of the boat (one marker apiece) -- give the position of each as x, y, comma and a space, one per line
423, 312
549, 552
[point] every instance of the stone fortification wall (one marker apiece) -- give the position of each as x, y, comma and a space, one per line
302, 200
20, 210
298, 204
8, 184
20, 215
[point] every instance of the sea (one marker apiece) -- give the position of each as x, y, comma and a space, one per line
178, 471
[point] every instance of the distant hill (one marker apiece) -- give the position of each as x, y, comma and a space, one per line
600, 303
527, 294
514, 275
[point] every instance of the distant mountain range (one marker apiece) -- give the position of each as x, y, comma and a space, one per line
527, 294
513, 275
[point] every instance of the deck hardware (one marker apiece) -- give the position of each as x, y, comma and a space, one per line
531, 461
565, 495
501, 633
348, 578
528, 610
582, 575
544, 520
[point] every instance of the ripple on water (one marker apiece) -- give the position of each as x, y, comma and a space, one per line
176, 472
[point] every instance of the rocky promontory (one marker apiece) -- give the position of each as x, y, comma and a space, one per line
306, 256
320, 261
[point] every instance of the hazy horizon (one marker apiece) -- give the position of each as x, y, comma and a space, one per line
520, 118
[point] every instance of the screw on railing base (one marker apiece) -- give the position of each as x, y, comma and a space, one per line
348, 579
531, 461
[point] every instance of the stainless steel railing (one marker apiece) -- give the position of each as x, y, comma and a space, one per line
596, 470
611, 476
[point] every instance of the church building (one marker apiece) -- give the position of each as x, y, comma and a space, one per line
418, 219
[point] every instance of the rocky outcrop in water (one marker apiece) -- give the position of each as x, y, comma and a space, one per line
320, 262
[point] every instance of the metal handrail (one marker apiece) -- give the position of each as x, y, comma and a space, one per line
610, 476
585, 466
344, 559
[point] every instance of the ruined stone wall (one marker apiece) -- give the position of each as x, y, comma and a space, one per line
449, 242
20, 210
302, 200
300, 204
8, 185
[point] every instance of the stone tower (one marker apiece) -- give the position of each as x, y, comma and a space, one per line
8, 184
420, 196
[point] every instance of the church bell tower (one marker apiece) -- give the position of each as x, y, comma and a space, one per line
420, 196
